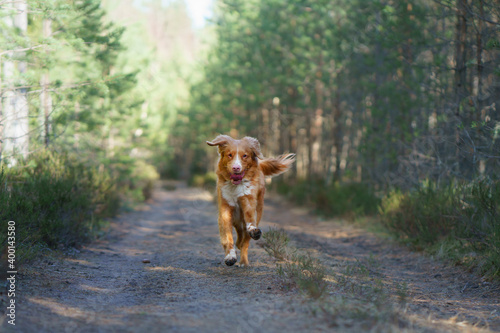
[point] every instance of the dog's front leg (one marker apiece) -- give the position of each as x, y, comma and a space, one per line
226, 232
249, 205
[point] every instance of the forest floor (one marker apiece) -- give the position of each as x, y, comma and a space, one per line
106, 287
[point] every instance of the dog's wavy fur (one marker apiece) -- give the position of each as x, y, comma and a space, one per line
241, 173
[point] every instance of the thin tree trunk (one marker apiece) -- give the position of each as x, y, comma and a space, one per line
275, 130
45, 97
2, 120
309, 139
463, 157
461, 53
294, 144
264, 131
337, 135
479, 43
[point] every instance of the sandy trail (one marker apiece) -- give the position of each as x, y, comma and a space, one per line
106, 287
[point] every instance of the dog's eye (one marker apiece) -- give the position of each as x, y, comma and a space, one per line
245, 156
230, 155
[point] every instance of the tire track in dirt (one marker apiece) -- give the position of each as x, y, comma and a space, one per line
106, 287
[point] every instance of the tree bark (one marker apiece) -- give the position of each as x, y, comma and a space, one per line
479, 55
15, 110
461, 53
45, 97
2, 120
337, 136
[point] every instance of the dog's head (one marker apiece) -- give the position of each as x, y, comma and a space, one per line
238, 158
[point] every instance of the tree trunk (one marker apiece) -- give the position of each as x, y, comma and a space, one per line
309, 139
479, 56
337, 135
15, 110
461, 53
45, 97
464, 154
2, 120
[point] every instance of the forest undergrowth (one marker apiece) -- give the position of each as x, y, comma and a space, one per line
59, 201
457, 222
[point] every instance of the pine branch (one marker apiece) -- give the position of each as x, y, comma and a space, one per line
22, 50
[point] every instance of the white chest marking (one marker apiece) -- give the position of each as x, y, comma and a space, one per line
231, 192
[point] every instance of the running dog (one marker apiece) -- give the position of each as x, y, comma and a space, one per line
241, 174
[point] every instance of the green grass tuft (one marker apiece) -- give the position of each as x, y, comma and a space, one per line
275, 243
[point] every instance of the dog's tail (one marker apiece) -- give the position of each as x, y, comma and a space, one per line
274, 166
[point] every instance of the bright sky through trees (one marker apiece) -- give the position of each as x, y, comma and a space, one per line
199, 10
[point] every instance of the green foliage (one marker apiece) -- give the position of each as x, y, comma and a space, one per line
96, 114
425, 215
480, 227
458, 221
208, 180
275, 242
55, 199
143, 177
351, 199
133, 176
160, 47
295, 269
305, 273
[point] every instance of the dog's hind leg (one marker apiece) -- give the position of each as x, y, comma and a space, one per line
240, 231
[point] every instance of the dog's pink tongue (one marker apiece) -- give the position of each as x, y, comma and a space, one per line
236, 176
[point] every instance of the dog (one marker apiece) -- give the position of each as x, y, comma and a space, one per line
241, 173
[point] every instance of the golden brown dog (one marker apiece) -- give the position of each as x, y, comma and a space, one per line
241, 173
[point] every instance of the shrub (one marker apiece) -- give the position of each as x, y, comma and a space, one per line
143, 177
207, 180
304, 272
422, 216
480, 225
135, 178
350, 199
458, 221
56, 199
275, 243
296, 269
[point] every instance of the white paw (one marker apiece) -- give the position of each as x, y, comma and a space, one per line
250, 227
230, 259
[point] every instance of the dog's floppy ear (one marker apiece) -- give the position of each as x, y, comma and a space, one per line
220, 140
255, 146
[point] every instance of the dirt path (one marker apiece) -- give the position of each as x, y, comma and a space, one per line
185, 288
